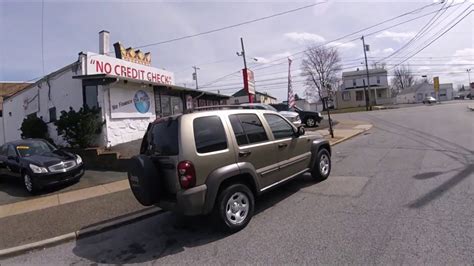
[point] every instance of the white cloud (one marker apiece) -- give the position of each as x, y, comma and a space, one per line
388, 50
302, 37
397, 36
266, 60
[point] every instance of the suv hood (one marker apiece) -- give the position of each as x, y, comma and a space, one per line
288, 113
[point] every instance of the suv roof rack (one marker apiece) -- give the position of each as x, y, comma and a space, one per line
217, 107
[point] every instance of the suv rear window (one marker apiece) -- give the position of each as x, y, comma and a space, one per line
209, 134
164, 138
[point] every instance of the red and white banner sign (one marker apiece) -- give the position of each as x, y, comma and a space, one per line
102, 64
249, 81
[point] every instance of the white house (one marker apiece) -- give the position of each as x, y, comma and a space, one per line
129, 92
354, 82
416, 93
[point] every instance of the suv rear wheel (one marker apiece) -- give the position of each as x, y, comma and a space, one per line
322, 166
235, 206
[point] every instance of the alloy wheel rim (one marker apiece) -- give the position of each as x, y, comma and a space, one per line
324, 164
28, 183
237, 208
310, 122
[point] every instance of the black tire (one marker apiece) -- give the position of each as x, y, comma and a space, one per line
32, 187
311, 122
234, 190
319, 172
144, 180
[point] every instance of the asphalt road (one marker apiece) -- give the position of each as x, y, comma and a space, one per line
401, 193
13, 190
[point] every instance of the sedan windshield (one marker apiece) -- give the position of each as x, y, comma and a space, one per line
34, 148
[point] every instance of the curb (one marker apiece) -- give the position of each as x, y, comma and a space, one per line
88, 231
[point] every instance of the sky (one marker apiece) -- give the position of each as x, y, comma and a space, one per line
70, 27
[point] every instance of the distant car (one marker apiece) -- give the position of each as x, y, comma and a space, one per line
309, 118
39, 163
429, 100
293, 117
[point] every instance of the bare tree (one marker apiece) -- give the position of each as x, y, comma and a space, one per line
402, 79
320, 67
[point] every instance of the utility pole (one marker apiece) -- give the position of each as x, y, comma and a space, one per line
469, 75
195, 76
367, 91
242, 53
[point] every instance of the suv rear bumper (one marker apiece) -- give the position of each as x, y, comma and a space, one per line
188, 202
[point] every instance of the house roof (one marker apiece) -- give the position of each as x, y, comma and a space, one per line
242, 92
363, 72
8, 88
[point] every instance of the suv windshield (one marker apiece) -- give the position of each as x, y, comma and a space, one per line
34, 148
163, 138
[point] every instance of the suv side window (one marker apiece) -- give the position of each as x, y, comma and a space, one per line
280, 128
209, 134
248, 129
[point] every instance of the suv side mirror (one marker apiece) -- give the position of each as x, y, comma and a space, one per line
300, 131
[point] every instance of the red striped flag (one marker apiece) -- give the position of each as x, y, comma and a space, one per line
291, 96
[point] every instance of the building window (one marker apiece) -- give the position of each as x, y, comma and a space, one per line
359, 96
236, 101
52, 114
346, 96
167, 104
379, 94
378, 80
89, 94
354, 82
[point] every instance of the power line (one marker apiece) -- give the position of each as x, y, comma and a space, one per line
42, 34
231, 26
426, 28
441, 35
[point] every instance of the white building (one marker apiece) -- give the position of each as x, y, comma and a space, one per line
129, 92
354, 82
416, 93
241, 96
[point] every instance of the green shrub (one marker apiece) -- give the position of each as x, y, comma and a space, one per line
80, 128
34, 127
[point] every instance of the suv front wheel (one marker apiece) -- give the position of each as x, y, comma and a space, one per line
235, 206
322, 166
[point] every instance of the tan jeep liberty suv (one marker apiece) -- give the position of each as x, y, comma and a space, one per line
218, 159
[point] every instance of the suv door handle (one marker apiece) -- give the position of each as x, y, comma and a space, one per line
244, 153
282, 145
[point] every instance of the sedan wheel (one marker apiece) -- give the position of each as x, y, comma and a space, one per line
29, 186
310, 122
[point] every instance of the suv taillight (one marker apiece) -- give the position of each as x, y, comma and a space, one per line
186, 174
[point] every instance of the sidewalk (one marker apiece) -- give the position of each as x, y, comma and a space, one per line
51, 216
343, 130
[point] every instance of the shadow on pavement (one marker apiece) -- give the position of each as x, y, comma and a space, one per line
168, 233
427, 175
